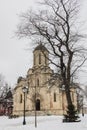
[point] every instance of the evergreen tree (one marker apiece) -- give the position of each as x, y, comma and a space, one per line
72, 115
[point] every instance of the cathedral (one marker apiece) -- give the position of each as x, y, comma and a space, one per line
44, 94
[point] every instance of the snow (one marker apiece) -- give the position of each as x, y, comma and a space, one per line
43, 123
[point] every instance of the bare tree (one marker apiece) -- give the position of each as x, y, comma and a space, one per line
4, 87
54, 24
2, 84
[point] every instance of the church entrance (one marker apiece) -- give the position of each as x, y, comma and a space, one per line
37, 105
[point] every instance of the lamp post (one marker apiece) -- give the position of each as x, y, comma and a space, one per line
35, 110
82, 107
24, 89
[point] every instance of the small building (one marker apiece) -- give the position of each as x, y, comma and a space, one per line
6, 104
44, 92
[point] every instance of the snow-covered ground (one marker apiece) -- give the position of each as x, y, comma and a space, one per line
43, 123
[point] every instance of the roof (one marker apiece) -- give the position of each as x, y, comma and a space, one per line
41, 47
9, 95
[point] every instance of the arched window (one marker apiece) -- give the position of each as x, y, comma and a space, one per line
54, 97
38, 105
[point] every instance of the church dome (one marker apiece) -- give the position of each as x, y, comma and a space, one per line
40, 47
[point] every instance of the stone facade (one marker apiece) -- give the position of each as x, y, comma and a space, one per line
46, 97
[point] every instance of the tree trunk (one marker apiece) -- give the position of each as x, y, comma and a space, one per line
68, 96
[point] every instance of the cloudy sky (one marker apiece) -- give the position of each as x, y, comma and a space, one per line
15, 59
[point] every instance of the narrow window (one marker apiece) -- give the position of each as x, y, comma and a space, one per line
54, 97
45, 59
37, 82
21, 98
39, 58
72, 97
34, 59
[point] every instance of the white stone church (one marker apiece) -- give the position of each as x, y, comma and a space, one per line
44, 97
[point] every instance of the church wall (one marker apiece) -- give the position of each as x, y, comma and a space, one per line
46, 97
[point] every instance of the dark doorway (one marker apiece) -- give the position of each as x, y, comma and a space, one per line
37, 105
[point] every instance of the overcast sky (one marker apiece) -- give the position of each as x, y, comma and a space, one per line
15, 59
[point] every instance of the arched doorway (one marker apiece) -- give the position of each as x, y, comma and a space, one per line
37, 105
